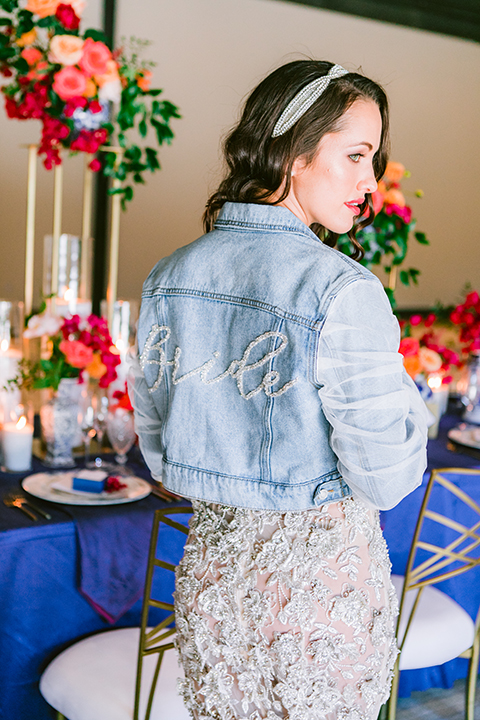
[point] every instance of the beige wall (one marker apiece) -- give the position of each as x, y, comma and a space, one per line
209, 54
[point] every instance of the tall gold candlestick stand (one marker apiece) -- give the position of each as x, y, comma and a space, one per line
114, 239
30, 229
86, 224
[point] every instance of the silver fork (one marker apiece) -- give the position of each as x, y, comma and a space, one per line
10, 502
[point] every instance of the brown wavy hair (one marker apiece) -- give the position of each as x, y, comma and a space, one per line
258, 165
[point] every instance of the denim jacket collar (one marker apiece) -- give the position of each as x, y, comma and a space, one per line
256, 216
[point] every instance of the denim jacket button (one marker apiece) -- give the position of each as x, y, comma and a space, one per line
322, 495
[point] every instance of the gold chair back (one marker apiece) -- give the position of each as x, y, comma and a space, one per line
431, 562
156, 639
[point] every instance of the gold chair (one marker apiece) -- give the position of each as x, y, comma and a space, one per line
127, 673
432, 628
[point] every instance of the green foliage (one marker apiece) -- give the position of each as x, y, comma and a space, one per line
385, 243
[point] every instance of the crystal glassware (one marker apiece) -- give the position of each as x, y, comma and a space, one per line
121, 432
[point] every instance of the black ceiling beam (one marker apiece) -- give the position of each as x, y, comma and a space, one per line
460, 18
101, 197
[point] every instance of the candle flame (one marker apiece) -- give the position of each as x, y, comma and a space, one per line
68, 295
21, 423
120, 345
4, 345
434, 382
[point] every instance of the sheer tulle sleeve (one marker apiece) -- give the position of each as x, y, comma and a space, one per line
378, 419
148, 424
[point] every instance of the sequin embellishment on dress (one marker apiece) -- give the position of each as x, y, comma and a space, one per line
285, 615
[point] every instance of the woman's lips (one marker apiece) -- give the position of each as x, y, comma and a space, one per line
354, 206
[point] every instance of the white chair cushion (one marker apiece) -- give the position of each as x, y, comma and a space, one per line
95, 678
440, 631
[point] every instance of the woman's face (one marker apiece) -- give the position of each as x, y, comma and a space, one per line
330, 189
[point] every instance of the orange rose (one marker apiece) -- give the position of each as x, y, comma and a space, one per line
110, 74
27, 38
412, 365
394, 197
395, 171
69, 82
144, 78
95, 57
96, 368
77, 354
91, 89
31, 55
43, 8
65, 49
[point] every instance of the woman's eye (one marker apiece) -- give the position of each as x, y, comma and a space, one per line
355, 157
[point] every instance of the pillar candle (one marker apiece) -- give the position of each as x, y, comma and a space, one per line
17, 441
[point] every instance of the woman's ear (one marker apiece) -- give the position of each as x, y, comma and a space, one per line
298, 166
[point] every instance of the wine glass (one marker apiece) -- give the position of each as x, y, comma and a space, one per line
100, 413
86, 422
121, 433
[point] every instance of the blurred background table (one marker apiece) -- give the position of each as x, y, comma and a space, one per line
48, 586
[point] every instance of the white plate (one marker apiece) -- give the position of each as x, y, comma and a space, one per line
466, 435
40, 486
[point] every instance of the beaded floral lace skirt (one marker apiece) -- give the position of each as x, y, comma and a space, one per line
285, 615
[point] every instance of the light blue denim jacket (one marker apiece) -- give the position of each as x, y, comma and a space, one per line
228, 402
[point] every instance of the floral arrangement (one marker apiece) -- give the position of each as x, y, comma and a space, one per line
68, 80
467, 317
385, 241
425, 355
76, 346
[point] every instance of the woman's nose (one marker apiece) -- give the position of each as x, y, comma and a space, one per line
368, 184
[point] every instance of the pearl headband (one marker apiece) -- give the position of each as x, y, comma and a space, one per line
304, 100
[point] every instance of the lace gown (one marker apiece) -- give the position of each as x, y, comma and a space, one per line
285, 615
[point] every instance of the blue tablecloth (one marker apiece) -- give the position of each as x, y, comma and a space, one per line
42, 609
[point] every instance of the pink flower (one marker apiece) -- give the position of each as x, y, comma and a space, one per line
77, 354
95, 165
409, 346
377, 200
415, 320
95, 57
69, 82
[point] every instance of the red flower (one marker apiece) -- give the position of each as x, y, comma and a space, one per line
95, 106
67, 16
415, 320
73, 103
95, 165
472, 299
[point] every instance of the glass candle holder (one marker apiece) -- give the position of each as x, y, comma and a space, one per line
71, 286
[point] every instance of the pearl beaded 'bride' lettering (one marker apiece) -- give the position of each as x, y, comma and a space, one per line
237, 369
285, 615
